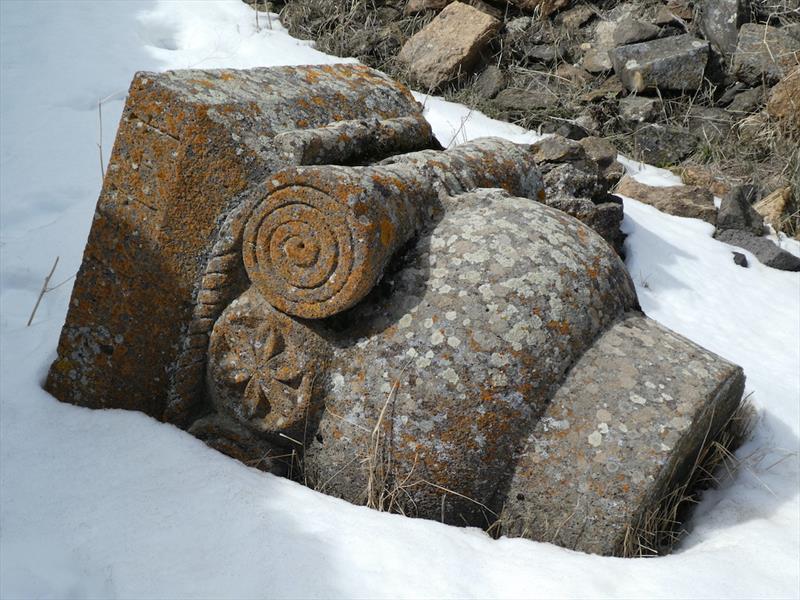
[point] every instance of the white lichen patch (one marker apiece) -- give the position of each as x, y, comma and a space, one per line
450, 375
637, 399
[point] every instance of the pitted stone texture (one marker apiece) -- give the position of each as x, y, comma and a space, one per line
322, 236
672, 63
188, 143
448, 46
764, 54
619, 435
451, 358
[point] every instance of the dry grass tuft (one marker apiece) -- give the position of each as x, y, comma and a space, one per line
660, 529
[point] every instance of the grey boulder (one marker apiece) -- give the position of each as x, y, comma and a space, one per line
673, 63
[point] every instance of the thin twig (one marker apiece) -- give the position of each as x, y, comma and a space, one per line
42, 293
100, 141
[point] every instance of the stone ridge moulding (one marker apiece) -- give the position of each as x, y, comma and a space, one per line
287, 264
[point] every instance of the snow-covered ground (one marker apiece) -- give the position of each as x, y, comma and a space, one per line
113, 504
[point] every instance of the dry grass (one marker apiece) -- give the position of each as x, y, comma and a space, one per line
661, 528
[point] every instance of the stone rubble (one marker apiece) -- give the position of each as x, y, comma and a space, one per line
699, 72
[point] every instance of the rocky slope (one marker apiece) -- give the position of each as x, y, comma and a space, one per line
708, 89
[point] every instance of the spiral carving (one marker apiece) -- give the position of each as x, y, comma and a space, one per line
300, 251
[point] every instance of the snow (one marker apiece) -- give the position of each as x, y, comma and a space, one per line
112, 504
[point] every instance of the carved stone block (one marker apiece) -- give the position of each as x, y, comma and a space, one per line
275, 268
188, 144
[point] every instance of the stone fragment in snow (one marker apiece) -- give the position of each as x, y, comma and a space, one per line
672, 63
764, 54
448, 46
680, 200
765, 250
442, 429
345, 224
654, 410
740, 259
189, 142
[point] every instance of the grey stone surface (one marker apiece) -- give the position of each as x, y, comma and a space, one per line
517, 101
673, 63
596, 58
631, 30
490, 82
747, 101
622, 430
766, 251
663, 145
576, 17
709, 124
736, 211
577, 177
720, 21
453, 357
764, 54
740, 259
639, 109
314, 240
